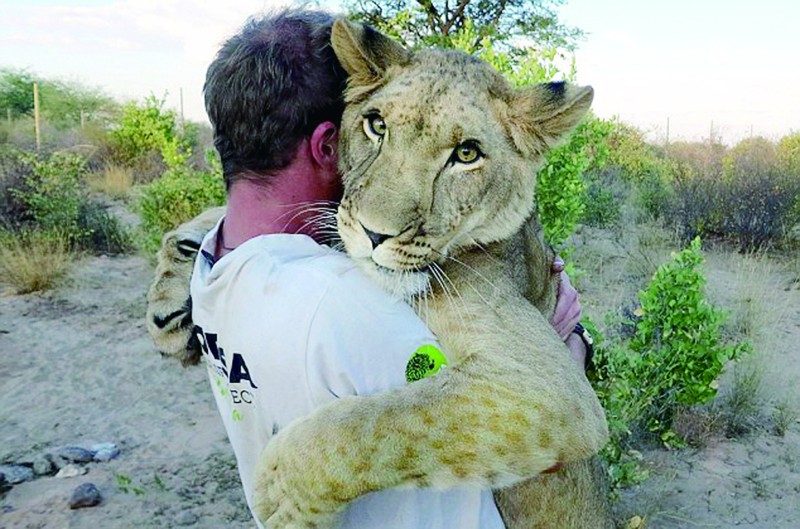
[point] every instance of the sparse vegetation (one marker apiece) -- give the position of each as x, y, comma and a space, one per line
741, 406
32, 261
113, 180
783, 416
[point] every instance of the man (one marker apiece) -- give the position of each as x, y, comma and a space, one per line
287, 324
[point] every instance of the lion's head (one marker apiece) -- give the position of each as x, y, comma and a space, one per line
438, 153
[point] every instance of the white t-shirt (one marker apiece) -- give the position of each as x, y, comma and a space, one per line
287, 325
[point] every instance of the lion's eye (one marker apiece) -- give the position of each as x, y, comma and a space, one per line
374, 126
467, 152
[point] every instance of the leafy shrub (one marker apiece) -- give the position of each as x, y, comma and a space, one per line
49, 195
788, 152
15, 168
698, 159
53, 193
602, 209
147, 139
606, 191
679, 353
174, 198
611, 375
629, 152
31, 261
654, 193
559, 184
668, 362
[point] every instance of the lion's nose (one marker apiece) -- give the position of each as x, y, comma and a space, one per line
375, 238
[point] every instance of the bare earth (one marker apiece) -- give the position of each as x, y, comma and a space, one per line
77, 367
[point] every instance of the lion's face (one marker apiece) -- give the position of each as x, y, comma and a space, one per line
435, 159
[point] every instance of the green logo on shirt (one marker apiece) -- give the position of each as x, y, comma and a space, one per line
426, 361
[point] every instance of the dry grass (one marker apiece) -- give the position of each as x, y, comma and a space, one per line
783, 415
114, 180
755, 308
742, 405
33, 261
699, 426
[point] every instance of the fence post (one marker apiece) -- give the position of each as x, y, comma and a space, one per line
36, 116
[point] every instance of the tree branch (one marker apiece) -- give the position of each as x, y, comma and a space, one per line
462, 4
434, 18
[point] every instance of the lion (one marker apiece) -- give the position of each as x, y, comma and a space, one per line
439, 157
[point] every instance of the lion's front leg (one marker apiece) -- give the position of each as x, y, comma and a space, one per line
485, 422
169, 305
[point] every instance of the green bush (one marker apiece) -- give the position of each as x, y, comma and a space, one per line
654, 193
678, 346
606, 191
671, 362
48, 194
788, 152
173, 199
560, 187
53, 192
147, 139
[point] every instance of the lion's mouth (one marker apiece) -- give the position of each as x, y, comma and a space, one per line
401, 283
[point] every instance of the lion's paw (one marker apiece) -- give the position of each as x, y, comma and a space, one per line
293, 487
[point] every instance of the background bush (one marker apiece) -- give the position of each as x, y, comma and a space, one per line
175, 198
49, 194
750, 199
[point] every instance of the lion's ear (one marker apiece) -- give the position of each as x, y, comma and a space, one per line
365, 53
544, 114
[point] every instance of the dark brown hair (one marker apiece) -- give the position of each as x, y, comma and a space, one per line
269, 87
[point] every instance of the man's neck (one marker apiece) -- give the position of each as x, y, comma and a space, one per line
284, 205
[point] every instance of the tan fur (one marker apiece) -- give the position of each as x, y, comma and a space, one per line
169, 306
513, 404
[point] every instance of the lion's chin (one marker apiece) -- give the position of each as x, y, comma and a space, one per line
400, 284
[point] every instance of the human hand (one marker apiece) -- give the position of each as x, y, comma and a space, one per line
567, 313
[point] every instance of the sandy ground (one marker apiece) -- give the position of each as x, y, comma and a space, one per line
77, 367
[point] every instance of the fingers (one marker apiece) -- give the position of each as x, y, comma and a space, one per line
558, 265
568, 308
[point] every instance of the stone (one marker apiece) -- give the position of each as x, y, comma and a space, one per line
16, 473
85, 495
44, 466
4, 484
75, 454
71, 471
186, 518
104, 451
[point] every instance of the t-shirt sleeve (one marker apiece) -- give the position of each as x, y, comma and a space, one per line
360, 342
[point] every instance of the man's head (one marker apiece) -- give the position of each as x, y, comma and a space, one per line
269, 88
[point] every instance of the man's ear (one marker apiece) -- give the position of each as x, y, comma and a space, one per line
364, 53
541, 116
324, 145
